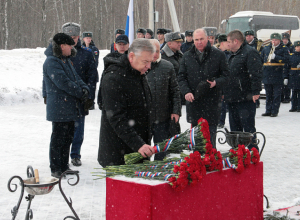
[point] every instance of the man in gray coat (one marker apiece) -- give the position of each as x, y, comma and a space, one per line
166, 103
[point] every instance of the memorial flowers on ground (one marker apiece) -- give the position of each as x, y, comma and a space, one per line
187, 169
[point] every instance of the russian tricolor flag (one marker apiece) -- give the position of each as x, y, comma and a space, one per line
129, 31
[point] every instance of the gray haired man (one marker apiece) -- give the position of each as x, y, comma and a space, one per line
126, 120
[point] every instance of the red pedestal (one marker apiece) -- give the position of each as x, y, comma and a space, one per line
220, 195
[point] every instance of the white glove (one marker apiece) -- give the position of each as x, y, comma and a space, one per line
273, 56
298, 66
285, 82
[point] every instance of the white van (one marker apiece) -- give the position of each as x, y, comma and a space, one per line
264, 24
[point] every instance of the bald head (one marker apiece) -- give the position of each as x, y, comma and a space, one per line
156, 44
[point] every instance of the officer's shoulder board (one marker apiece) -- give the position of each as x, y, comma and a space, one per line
291, 54
283, 46
86, 48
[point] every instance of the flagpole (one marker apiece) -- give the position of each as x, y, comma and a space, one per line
129, 30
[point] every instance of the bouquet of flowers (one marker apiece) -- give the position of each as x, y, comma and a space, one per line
192, 139
241, 158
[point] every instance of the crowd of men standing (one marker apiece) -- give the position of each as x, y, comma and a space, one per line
145, 83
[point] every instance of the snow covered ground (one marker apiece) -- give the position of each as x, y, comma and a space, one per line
25, 136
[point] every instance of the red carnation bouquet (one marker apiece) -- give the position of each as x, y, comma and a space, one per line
195, 139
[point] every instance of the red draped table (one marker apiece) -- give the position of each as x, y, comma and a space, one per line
220, 195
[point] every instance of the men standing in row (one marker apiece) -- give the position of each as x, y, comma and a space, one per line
85, 66
125, 121
113, 45
244, 84
65, 93
274, 56
286, 91
161, 36
141, 33
189, 41
166, 103
171, 51
203, 73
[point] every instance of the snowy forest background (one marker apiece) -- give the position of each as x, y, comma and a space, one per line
31, 23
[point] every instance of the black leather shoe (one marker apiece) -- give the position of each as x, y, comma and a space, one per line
56, 174
274, 115
76, 162
266, 114
285, 101
293, 110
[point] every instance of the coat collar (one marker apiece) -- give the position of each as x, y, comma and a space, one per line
168, 51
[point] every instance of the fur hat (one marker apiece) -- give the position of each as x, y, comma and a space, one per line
211, 31
285, 35
249, 32
189, 33
71, 29
297, 43
161, 31
275, 36
87, 34
62, 38
142, 30
119, 31
149, 31
173, 36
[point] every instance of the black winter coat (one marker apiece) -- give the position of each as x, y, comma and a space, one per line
186, 46
291, 72
125, 120
192, 72
164, 90
245, 74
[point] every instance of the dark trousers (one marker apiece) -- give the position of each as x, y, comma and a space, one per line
242, 117
212, 131
61, 139
160, 132
223, 112
78, 138
295, 99
273, 98
286, 93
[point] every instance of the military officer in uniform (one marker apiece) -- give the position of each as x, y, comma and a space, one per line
113, 45
141, 33
286, 91
161, 36
274, 56
211, 33
189, 41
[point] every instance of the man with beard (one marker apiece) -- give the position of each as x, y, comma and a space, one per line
166, 104
126, 113
202, 75
274, 56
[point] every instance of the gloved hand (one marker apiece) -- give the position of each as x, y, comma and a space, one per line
273, 56
85, 95
285, 82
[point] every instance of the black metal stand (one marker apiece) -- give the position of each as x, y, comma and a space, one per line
29, 198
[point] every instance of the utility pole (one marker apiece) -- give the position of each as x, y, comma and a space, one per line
173, 15
151, 14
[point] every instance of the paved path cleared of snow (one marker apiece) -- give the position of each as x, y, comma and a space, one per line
25, 136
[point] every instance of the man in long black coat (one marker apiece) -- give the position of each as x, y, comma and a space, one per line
126, 97
202, 74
